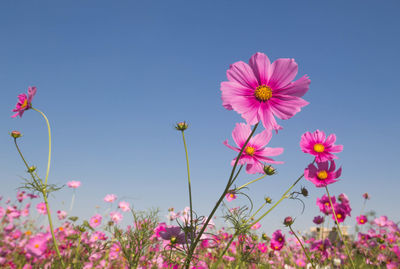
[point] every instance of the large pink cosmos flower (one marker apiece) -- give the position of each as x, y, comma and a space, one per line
37, 245
255, 152
261, 90
24, 102
322, 175
315, 144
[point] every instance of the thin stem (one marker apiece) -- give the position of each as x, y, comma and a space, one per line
255, 213
338, 226
248, 183
302, 246
230, 182
189, 185
49, 131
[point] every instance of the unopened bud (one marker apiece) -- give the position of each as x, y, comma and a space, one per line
15, 134
264, 236
181, 126
304, 191
31, 169
268, 200
288, 221
269, 170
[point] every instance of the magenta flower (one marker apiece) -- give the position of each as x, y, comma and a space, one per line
256, 151
74, 184
230, 196
362, 219
109, 198
41, 208
95, 220
262, 247
318, 220
316, 144
24, 102
341, 212
324, 204
259, 91
37, 245
322, 175
277, 240
173, 234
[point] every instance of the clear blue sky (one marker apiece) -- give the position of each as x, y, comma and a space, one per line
114, 77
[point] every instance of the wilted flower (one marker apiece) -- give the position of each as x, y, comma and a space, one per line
316, 144
255, 152
261, 90
24, 102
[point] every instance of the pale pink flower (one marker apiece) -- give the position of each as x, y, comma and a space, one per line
41, 208
109, 198
73, 184
256, 151
61, 214
256, 226
116, 217
24, 102
318, 145
259, 91
230, 196
95, 220
124, 206
37, 245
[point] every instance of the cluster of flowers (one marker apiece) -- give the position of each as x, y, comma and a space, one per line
98, 244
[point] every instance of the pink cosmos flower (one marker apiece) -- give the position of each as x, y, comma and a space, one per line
115, 249
61, 214
124, 206
256, 226
262, 247
324, 204
41, 208
73, 184
277, 240
116, 217
110, 198
341, 213
318, 220
256, 151
316, 144
24, 102
362, 219
230, 196
261, 90
322, 175
21, 196
95, 220
37, 245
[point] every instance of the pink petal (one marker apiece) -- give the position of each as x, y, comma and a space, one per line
261, 66
242, 73
229, 146
230, 90
296, 88
267, 118
270, 152
284, 71
241, 133
261, 139
285, 106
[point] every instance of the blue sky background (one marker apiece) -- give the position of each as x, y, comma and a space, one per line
114, 77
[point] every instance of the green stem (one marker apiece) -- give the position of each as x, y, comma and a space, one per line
190, 188
338, 226
248, 183
49, 131
302, 246
230, 182
255, 213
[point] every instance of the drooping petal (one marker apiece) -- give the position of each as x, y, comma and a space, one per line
296, 88
285, 106
261, 66
229, 146
283, 72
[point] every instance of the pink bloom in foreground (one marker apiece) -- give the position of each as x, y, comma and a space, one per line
110, 198
256, 151
73, 184
318, 145
37, 245
24, 102
362, 219
116, 217
277, 240
230, 196
323, 174
124, 206
259, 91
41, 208
95, 220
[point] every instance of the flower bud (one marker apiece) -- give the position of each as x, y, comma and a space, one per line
304, 191
264, 236
269, 170
15, 134
268, 200
31, 169
288, 221
181, 126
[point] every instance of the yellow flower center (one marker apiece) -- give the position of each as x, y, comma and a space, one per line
36, 246
173, 239
339, 216
263, 93
25, 104
250, 151
28, 232
232, 195
280, 239
361, 220
327, 204
322, 175
319, 148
